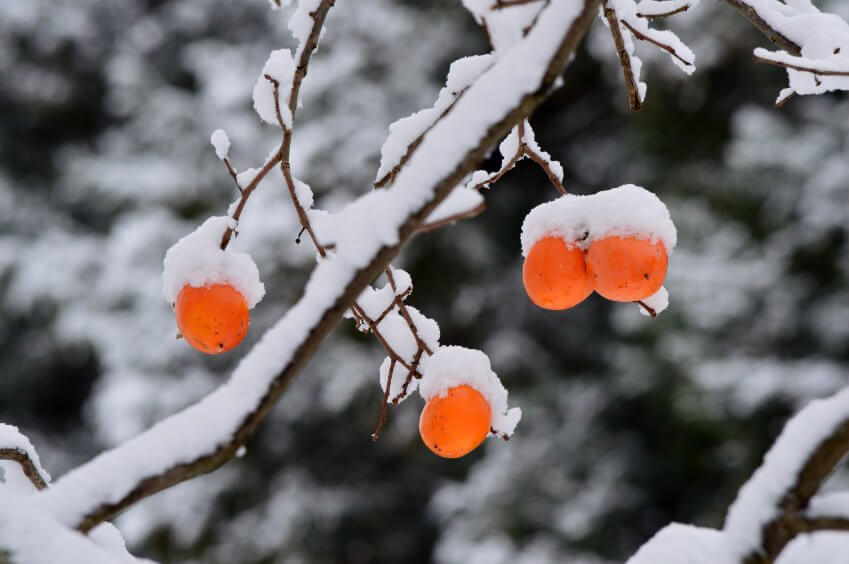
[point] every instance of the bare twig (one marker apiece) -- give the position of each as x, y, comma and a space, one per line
384, 408
634, 101
501, 4
812, 70
662, 15
649, 310
28, 467
452, 219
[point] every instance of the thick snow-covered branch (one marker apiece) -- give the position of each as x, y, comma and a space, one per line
778, 503
207, 434
759, 523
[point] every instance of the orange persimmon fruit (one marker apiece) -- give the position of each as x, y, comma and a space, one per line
555, 275
213, 319
626, 269
455, 424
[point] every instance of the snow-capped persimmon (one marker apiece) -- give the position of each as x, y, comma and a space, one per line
626, 269
455, 424
555, 275
213, 319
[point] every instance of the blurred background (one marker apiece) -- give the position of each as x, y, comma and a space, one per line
106, 107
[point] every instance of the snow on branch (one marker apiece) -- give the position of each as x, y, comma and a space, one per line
626, 21
16, 447
766, 514
814, 44
778, 503
657, 9
208, 433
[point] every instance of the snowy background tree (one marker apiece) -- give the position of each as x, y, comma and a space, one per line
629, 423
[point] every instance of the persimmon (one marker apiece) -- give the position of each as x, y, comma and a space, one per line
213, 319
626, 269
555, 275
455, 424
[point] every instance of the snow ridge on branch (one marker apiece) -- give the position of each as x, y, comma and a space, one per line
779, 501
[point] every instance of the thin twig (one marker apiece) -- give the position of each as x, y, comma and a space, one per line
801, 68
452, 219
384, 408
668, 48
662, 15
501, 4
634, 101
649, 310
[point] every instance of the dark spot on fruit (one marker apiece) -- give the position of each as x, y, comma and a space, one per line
646, 276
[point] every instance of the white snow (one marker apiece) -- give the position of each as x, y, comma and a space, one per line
202, 427
221, 143
757, 501
403, 132
281, 67
301, 23
12, 438
452, 366
684, 544
625, 211
823, 38
681, 55
37, 538
658, 301
460, 201
197, 260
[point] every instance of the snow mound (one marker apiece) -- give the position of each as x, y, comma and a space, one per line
197, 260
221, 142
280, 67
658, 301
625, 211
453, 366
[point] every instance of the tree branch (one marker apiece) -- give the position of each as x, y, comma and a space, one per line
318, 16
751, 14
28, 467
634, 101
82, 499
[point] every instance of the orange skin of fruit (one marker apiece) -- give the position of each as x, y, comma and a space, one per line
555, 275
213, 319
455, 424
626, 269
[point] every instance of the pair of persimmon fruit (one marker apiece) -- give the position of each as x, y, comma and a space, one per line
557, 275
